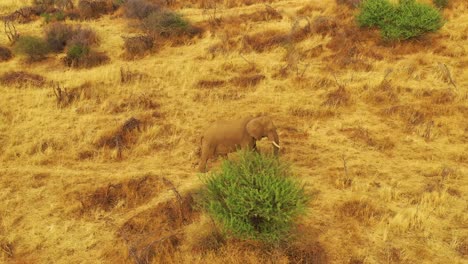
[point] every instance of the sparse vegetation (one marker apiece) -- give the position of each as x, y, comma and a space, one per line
34, 48
253, 198
140, 8
22, 79
57, 36
167, 24
406, 20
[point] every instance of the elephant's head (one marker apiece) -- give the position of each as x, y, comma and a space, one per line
261, 127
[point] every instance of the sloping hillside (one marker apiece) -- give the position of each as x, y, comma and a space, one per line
378, 132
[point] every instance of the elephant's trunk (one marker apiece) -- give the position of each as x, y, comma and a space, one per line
273, 137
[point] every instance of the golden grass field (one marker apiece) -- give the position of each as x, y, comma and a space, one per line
376, 131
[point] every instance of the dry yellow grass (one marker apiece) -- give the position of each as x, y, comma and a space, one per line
384, 151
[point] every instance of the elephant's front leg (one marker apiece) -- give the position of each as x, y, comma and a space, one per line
207, 152
250, 145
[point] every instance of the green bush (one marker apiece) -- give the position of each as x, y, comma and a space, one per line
81, 56
77, 51
406, 20
166, 23
440, 3
51, 17
33, 47
254, 198
375, 13
412, 19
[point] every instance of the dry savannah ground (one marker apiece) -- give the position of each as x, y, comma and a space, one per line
376, 131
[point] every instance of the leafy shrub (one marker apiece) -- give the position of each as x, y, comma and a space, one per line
412, 19
80, 56
375, 13
51, 17
253, 198
57, 36
167, 24
399, 22
33, 47
139, 8
440, 3
5, 54
77, 51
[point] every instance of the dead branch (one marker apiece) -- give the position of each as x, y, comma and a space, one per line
249, 62
10, 30
303, 71
387, 73
443, 67
336, 80
344, 166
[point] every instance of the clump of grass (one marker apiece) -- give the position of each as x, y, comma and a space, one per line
77, 51
34, 48
137, 46
406, 20
53, 17
254, 197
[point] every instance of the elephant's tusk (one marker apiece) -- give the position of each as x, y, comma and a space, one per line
276, 145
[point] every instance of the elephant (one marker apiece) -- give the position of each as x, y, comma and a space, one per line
223, 137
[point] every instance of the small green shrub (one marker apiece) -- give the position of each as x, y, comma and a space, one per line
77, 51
53, 17
80, 56
375, 13
406, 20
254, 198
166, 24
440, 3
412, 19
33, 47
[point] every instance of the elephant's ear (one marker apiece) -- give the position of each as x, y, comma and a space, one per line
255, 128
